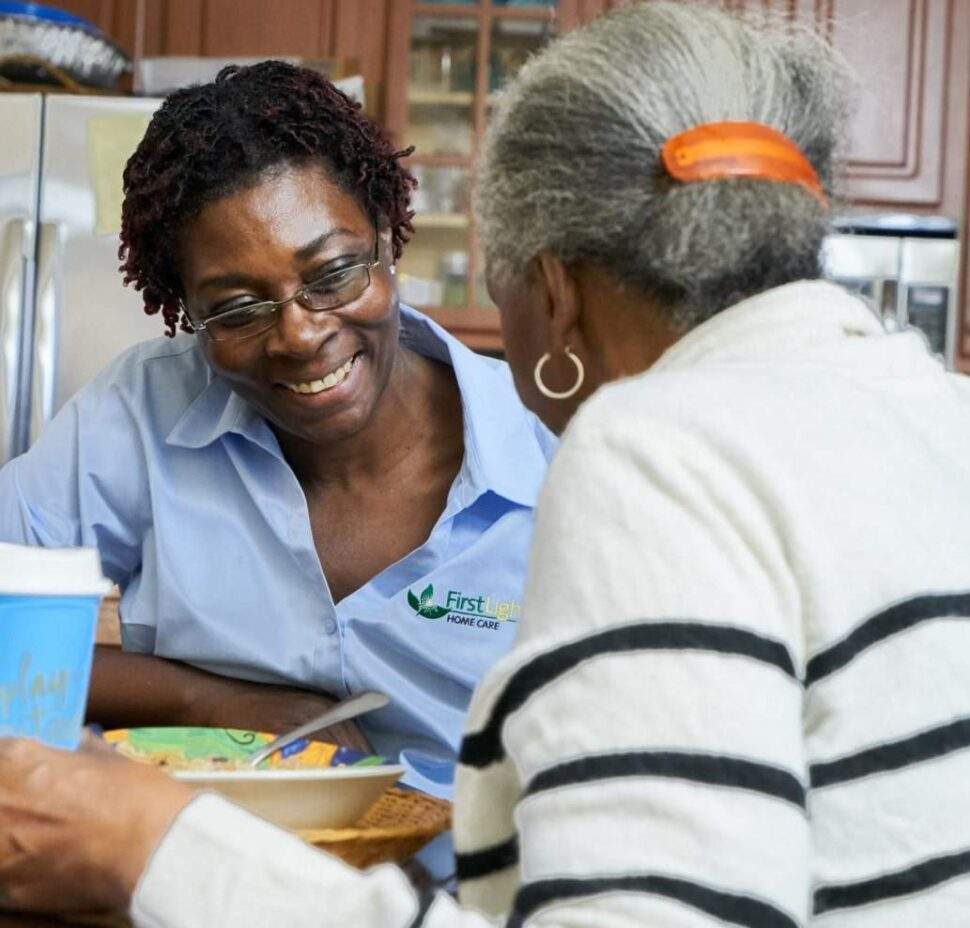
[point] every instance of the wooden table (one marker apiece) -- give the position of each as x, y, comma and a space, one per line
13, 920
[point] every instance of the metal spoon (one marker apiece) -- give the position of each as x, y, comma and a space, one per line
348, 709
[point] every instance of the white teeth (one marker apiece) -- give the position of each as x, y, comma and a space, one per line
328, 383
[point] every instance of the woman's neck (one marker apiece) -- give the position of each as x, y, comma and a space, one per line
625, 331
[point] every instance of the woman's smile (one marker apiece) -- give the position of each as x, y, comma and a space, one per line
336, 385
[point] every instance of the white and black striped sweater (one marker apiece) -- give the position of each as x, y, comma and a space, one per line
741, 691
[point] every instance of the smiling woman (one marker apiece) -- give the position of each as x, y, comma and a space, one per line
273, 484
315, 362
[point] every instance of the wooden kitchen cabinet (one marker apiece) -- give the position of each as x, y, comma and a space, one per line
899, 148
908, 138
349, 30
898, 132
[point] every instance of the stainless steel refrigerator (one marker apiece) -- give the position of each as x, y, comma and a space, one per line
64, 313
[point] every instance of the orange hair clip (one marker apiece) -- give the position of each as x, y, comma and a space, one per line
717, 150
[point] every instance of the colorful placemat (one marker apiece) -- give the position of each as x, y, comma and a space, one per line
205, 748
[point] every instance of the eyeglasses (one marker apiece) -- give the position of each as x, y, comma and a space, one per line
330, 292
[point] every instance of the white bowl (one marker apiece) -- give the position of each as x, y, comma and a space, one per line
332, 797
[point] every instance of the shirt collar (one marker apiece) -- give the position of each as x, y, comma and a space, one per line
218, 410
503, 450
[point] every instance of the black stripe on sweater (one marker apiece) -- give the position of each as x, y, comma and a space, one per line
476, 864
937, 742
425, 901
484, 747
915, 879
715, 769
729, 908
884, 625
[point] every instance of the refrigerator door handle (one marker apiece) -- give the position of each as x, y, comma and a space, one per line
43, 378
12, 280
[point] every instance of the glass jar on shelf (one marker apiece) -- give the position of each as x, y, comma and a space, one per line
513, 41
441, 87
454, 279
433, 271
442, 194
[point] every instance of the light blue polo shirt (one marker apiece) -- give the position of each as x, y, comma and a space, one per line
182, 487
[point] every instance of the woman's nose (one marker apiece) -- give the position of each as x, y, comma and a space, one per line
300, 332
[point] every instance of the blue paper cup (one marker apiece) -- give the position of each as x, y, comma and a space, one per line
46, 643
45, 666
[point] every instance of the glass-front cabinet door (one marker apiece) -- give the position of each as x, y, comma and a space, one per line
446, 62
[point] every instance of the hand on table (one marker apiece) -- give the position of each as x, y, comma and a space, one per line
278, 709
132, 690
77, 829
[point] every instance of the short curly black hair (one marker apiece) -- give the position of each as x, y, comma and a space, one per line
209, 141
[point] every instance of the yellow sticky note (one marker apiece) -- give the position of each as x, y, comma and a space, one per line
111, 142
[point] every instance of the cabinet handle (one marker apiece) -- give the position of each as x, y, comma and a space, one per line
12, 278
44, 378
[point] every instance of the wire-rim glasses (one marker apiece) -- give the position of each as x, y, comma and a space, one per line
330, 292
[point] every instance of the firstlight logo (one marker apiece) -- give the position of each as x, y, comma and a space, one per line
473, 611
424, 606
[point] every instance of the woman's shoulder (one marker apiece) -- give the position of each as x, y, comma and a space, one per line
649, 411
626, 413
646, 434
155, 380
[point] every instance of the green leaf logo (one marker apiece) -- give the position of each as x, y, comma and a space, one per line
424, 606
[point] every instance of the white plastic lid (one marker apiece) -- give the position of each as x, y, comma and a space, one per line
28, 571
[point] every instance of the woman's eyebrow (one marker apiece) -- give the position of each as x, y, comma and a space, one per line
228, 281
234, 279
304, 252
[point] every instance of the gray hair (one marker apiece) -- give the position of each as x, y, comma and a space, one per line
571, 161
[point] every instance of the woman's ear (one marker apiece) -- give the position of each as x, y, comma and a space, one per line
387, 242
563, 301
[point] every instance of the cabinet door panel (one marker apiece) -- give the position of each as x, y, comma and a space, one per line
254, 27
360, 34
898, 49
181, 30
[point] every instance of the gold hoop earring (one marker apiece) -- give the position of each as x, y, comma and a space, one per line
565, 394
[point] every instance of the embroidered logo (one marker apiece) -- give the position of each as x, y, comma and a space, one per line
424, 606
471, 611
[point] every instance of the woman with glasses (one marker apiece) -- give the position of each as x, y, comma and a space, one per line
310, 486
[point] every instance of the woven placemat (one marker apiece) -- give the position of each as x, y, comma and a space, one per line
393, 830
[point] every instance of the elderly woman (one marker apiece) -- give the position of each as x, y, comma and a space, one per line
749, 556
275, 491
